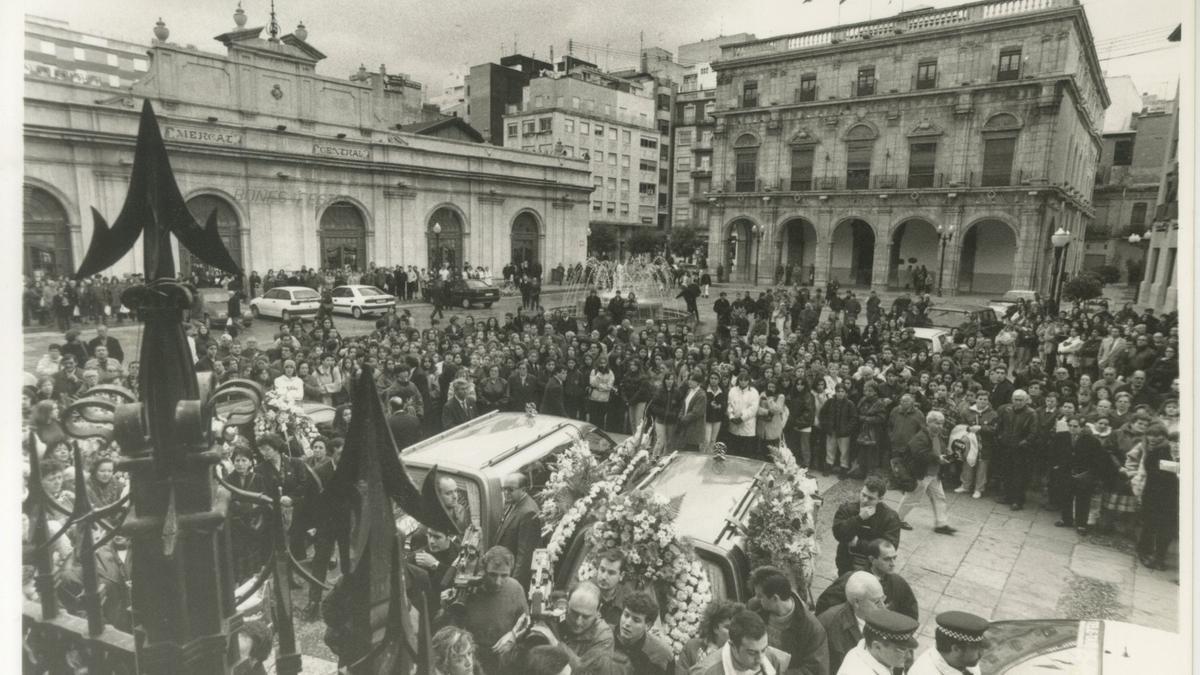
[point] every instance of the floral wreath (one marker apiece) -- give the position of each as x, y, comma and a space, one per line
780, 526
279, 415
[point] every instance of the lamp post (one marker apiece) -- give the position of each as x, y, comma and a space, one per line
945, 234
437, 246
1060, 239
757, 232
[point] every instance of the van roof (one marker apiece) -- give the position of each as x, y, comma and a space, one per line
480, 442
708, 490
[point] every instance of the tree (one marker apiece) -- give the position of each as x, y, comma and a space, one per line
1108, 274
646, 242
683, 241
602, 240
1083, 287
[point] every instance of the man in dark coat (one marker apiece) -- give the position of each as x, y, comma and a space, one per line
1080, 466
522, 389
856, 524
795, 629
881, 556
553, 402
864, 595
1016, 436
103, 338
689, 294
404, 423
521, 528
591, 308
458, 409
689, 430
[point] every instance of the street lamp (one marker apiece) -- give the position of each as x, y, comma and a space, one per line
437, 245
1060, 239
757, 231
945, 234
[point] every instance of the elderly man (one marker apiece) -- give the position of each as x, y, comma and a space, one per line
958, 646
1016, 439
926, 454
887, 645
843, 623
448, 495
586, 638
881, 558
521, 528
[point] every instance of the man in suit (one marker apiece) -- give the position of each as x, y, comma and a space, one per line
521, 389
404, 423
864, 594
1080, 466
689, 430
856, 524
112, 343
521, 528
552, 399
459, 409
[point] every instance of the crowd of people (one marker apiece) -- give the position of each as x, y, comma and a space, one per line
1077, 406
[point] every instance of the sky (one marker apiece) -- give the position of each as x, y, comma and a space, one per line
431, 41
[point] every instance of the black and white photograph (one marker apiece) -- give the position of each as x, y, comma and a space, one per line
506, 337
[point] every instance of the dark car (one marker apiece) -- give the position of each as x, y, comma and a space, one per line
467, 292
212, 307
968, 319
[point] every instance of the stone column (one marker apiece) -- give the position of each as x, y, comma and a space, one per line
823, 223
1029, 229
883, 249
952, 218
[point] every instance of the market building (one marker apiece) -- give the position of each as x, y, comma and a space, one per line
958, 139
301, 169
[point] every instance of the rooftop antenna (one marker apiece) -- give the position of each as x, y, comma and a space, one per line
273, 27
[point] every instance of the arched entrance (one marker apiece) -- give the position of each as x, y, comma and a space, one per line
797, 252
852, 254
989, 254
445, 247
525, 239
47, 238
914, 243
739, 266
343, 237
201, 207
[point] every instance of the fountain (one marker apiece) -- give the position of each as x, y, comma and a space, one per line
650, 279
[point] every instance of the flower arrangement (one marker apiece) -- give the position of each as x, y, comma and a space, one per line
281, 416
642, 524
781, 525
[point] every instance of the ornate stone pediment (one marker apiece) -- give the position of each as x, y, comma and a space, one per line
925, 128
803, 137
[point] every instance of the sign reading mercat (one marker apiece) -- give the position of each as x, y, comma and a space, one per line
205, 136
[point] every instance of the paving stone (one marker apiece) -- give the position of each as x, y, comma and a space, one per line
1155, 619
930, 580
1054, 544
949, 604
972, 592
982, 576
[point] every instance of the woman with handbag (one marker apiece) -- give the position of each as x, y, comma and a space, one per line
1159, 491
1120, 504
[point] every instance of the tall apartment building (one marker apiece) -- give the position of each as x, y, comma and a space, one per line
490, 88
1128, 176
660, 76
966, 135
53, 49
584, 113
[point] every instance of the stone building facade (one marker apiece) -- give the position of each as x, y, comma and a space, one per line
301, 169
957, 138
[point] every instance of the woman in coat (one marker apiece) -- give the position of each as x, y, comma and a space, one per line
872, 415
802, 414
664, 410
1160, 498
772, 416
839, 420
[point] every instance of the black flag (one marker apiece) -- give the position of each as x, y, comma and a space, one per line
154, 199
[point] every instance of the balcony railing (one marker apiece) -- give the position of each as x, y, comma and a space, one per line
913, 22
878, 181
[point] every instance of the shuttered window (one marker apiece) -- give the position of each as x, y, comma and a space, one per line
998, 160
858, 164
747, 170
921, 159
802, 166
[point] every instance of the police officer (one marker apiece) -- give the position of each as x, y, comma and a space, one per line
886, 647
958, 646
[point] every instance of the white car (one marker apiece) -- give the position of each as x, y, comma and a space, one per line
937, 340
359, 300
286, 302
1000, 305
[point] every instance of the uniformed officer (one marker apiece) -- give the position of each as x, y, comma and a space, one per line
958, 646
886, 648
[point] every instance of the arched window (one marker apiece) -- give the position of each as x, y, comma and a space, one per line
999, 147
201, 207
446, 240
343, 237
745, 151
525, 239
47, 238
860, 145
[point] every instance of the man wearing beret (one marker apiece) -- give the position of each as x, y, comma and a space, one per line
887, 645
959, 645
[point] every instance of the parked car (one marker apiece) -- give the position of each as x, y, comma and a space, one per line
287, 302
467, 292
212, 307
478, 455
357, 300
712, 493
970, 318
936, 340
1088, 647
1000, 305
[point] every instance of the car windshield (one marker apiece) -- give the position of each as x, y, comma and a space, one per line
305, 294
214, 294
367, 291
476, 283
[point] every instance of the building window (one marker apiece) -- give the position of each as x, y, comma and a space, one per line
663, 176
625, 161
1010, 64
1123, 153
858, 164
112, 60
611, 208
612, 184
625, 186
598, 181
802, 166
921, 158
689, 113
141, 65
626, 137
750, 94
543, 124
865, 86
575, 102
683, 189
584, 128
599, 156
709, 108
569, 126
649, 143
808, 88
48, 48
612, 133
512, 130
647, 189
664, 127
612, 159
664, 101
79, 54
1137, 217
529, 148
682, 214
114, 80
683, 137
927, 74
647, 165
998, 160
528, 127
684, 163
600, 130
624, 208
597, 206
